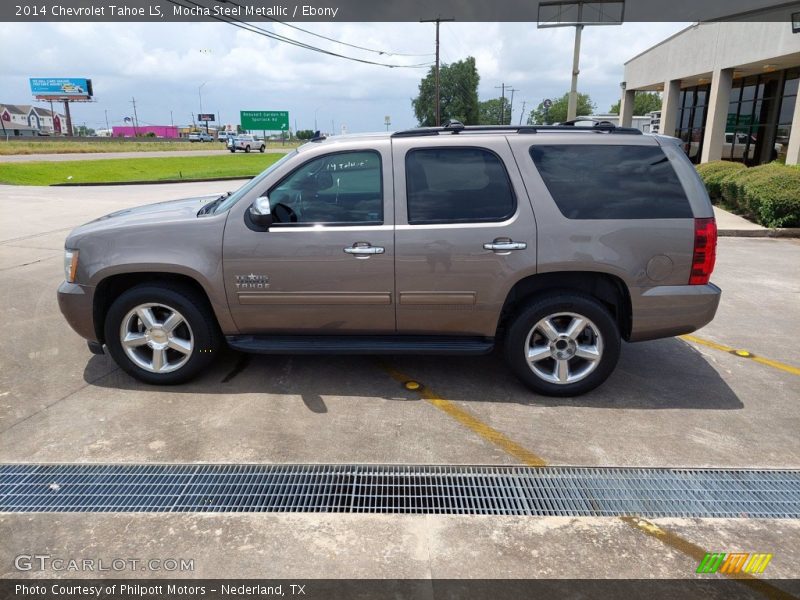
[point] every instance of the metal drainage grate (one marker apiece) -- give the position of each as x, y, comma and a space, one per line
546, 491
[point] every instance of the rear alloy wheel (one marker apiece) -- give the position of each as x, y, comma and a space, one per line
563, 345
161, 334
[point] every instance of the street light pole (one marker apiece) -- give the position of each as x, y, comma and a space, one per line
572, 105
200, 94
437, 20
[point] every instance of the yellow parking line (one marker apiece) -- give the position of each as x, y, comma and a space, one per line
530, 459
742, 354
466, 418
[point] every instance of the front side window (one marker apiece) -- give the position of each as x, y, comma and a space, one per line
457, 185
345, 188
611, 182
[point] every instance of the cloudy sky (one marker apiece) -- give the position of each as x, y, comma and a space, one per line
163, 65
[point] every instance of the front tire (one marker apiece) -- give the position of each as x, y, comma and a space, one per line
261, 149
247, 148
564, 344
161, 334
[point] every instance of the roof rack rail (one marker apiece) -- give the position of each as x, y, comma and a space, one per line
318, 137
456, 127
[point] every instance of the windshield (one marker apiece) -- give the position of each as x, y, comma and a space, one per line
255, 181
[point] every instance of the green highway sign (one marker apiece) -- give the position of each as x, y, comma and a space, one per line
264, 120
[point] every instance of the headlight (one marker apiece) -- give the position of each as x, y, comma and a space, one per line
70, 265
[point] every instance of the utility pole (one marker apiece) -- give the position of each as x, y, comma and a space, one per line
502, 102
511, 106
572, 106
437, 20
135, 117
171, 122
522, 114
107, 127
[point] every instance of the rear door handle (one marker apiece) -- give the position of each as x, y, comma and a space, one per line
361, 250
505, 246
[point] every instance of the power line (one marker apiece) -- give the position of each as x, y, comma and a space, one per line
324, 37
281, 38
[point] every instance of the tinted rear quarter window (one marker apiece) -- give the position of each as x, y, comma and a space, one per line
457, 185
611, 182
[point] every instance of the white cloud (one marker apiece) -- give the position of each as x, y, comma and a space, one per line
162, 66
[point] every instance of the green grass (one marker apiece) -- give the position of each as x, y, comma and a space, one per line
72, 147
136, 169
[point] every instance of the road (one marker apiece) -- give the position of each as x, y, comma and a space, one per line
218, 149
674, 402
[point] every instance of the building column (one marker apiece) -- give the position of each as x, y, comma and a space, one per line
793, 150
626, 108
669, 107
717, 115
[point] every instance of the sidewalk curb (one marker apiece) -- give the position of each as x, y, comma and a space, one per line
789, 232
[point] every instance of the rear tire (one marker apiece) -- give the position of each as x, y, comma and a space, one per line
563, 344
161, 334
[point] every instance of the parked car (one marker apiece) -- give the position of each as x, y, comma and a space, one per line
200, 136
552, 242
246, 143
223, 136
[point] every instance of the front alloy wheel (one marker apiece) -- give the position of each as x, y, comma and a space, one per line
162, 333
157, 338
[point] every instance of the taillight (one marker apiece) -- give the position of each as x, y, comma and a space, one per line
705, 251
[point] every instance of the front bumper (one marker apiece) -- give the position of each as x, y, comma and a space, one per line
669, 310
76, 303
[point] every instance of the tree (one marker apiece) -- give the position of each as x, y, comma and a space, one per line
643, 103
304, 134
557, 113
490, 111
83, 131
458, 93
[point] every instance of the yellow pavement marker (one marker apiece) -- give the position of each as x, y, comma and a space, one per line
742, 354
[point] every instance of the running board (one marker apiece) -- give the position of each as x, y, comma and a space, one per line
360, 344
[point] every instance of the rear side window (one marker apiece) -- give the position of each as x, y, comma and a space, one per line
457, 185
611, 182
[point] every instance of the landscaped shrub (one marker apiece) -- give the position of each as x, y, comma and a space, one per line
768, 194
714, 172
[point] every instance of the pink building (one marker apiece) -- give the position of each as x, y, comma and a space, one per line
162, 131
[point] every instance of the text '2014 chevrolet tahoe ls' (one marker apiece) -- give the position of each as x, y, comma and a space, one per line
554, 242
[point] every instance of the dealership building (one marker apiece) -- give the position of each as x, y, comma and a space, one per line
729, 90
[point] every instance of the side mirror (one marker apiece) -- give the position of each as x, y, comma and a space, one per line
260, 212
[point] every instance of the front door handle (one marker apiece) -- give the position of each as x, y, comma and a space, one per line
364, 250
505, 246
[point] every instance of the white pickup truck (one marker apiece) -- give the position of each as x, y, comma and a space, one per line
246, 143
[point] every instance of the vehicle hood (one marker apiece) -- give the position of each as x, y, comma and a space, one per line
149, 215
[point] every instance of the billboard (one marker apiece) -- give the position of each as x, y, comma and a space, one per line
265, 120
205, 117
56, 88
